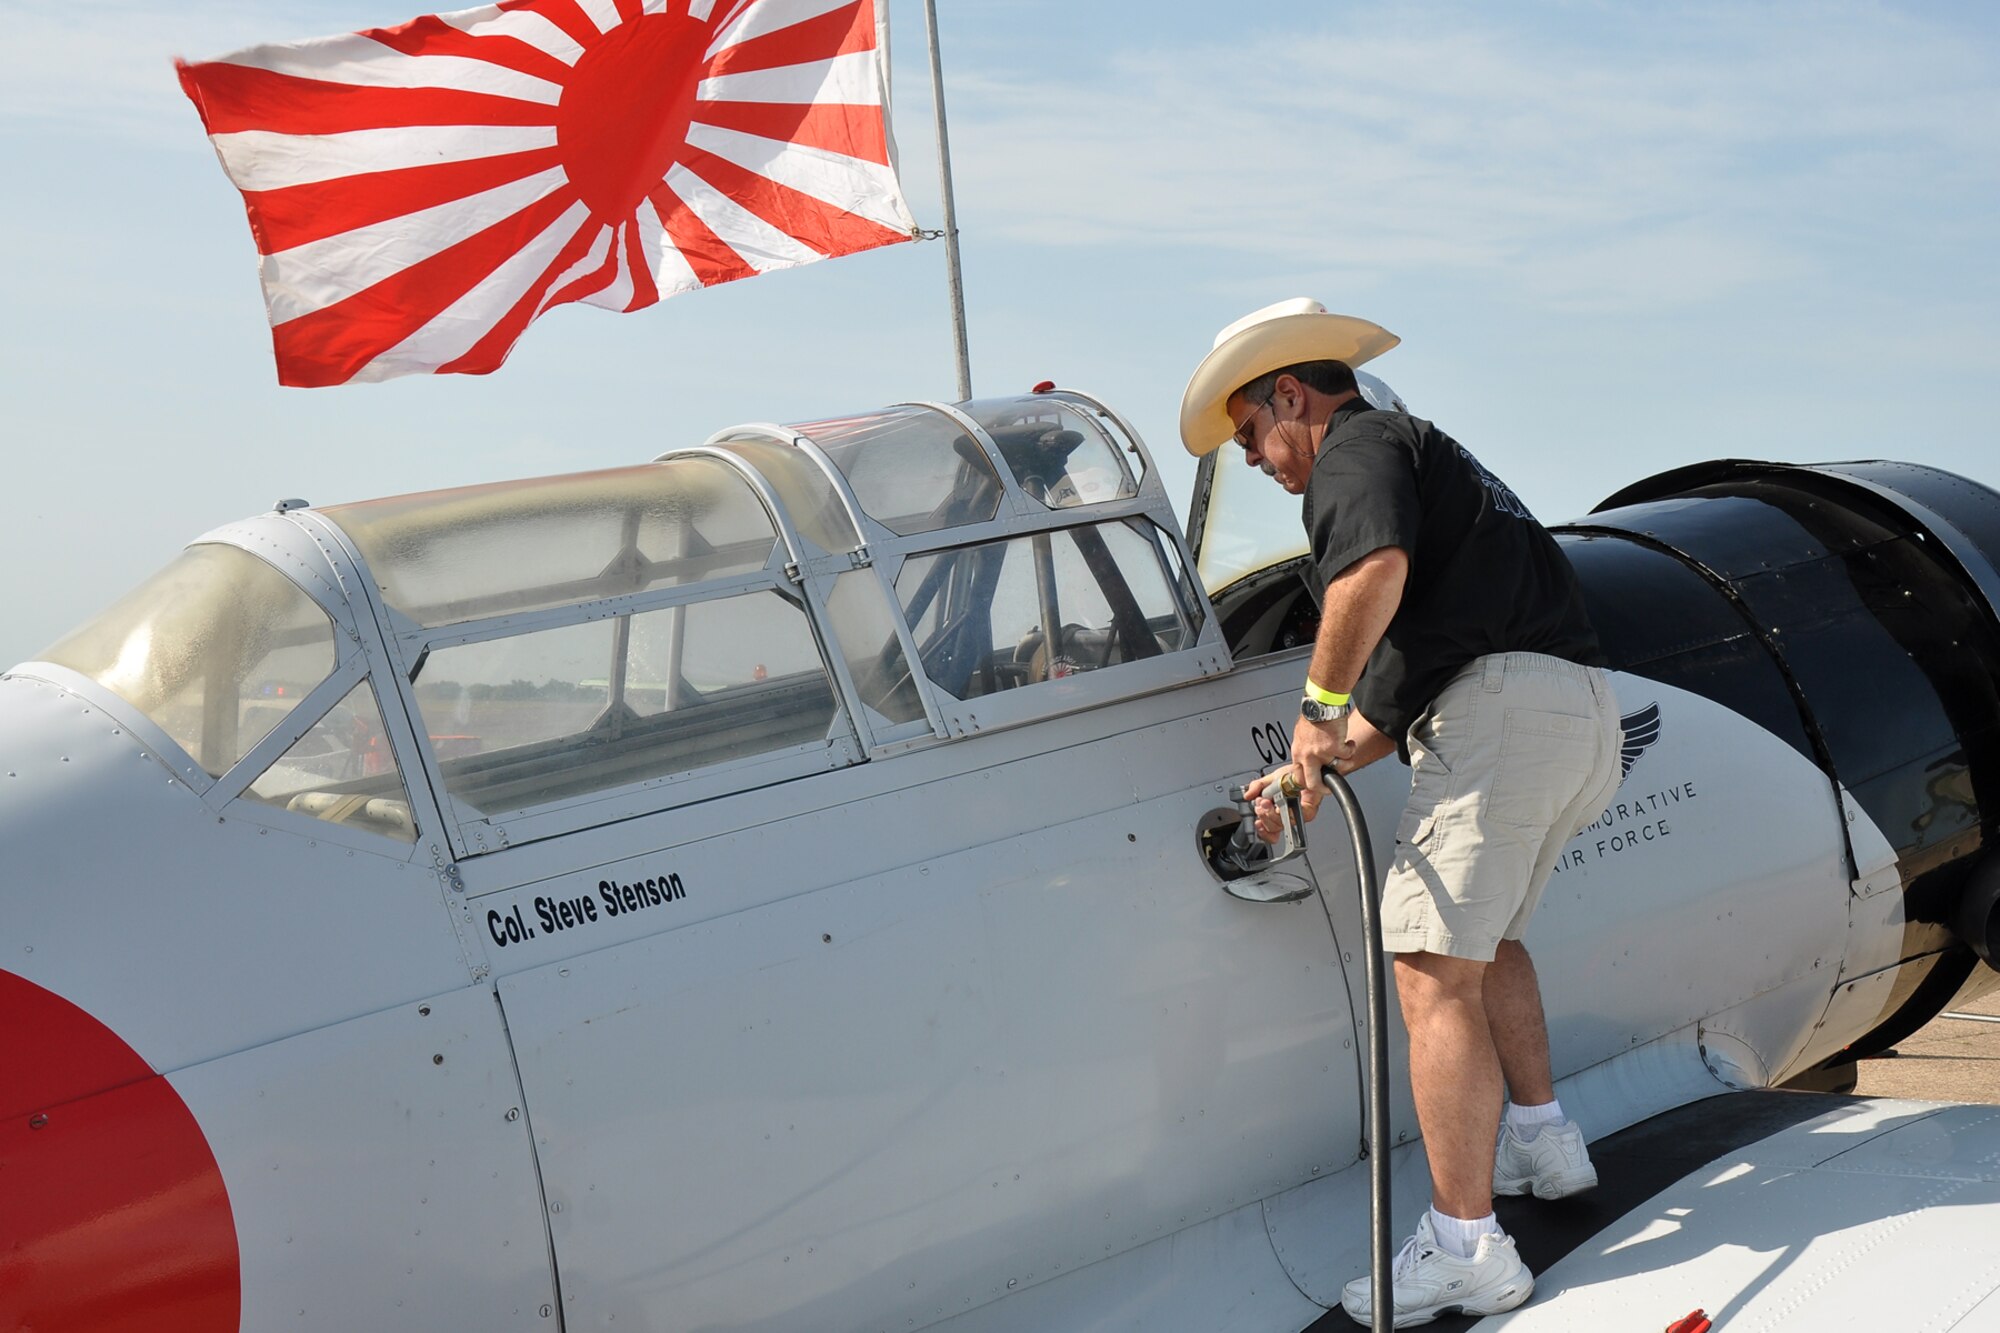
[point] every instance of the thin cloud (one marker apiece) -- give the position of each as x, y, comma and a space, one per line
1687, 155
106, 66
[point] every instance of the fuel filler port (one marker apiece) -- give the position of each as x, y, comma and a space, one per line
1243, 862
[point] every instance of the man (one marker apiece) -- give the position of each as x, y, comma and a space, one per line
1452, 630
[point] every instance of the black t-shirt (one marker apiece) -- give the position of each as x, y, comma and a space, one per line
1485, 577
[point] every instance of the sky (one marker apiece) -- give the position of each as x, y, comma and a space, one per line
1614, 239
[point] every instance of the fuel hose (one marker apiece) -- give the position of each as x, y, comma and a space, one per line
1376, 986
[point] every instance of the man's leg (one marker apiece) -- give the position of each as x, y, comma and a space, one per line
1454, 1076
1520, 1032
1459, 1259
1542, 1152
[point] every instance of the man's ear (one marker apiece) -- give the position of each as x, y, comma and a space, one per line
1288, 398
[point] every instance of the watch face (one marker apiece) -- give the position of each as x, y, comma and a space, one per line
1315, 711
1312, 710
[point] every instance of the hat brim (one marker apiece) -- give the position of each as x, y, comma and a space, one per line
1263, 347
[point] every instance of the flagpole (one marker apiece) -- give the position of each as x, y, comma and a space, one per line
956, 278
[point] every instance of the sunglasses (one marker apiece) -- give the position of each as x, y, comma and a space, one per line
1242, 435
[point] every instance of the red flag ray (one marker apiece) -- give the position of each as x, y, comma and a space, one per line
851, 131
421, 193
667, 269
487, 354
233, 98
644, 291
812, 222
432, 36
761, 245
845, 31
834, 180
617, 293
261, 161
843, 79
450, 334
307, 278
285, 218
565, 14
603, 14
363, 62
747, 19
598, 269
712, 259
331, 344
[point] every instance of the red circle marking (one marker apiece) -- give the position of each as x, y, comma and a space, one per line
113, 1214
625, 110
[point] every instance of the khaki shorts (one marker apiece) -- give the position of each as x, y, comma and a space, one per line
1517, 753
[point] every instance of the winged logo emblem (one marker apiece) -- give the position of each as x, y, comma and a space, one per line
1642, 728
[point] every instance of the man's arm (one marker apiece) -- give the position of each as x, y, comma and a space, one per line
1368, 744
1360, 603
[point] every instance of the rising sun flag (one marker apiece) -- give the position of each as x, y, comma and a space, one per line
419, 194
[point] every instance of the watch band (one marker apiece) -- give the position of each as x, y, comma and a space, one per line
1312, 710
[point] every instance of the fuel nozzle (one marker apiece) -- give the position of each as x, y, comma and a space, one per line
1246, 852
1291, 819
1243, 853
1244, 862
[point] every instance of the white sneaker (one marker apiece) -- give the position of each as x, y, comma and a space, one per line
1552, 1165
1430, 1281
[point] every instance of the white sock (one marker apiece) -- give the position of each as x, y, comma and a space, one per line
1527, 1121
1459, 1236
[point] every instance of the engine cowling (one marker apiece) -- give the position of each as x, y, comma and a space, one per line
1854, 610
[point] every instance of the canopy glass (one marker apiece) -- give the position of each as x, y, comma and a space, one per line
441, 557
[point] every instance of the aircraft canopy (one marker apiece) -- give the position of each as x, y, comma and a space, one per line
575, 650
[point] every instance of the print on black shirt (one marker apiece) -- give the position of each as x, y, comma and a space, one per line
1503, 495
1484, 577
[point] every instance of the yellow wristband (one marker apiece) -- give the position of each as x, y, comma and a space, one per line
1321, 695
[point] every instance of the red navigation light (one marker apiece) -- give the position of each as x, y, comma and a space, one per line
1046, 386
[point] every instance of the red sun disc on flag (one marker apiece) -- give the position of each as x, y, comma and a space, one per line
419, 194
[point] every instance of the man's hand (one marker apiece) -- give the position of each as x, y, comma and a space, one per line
1265, 807
1316, 746
1357, 751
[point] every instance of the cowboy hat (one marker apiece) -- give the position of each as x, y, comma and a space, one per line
1263, 341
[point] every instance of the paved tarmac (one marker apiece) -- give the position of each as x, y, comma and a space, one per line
1953, 1059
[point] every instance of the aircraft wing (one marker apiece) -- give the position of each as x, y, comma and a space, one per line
1774, 1211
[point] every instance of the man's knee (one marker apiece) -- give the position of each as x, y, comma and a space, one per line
1436, 977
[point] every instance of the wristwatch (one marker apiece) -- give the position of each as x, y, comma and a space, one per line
1312, 710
